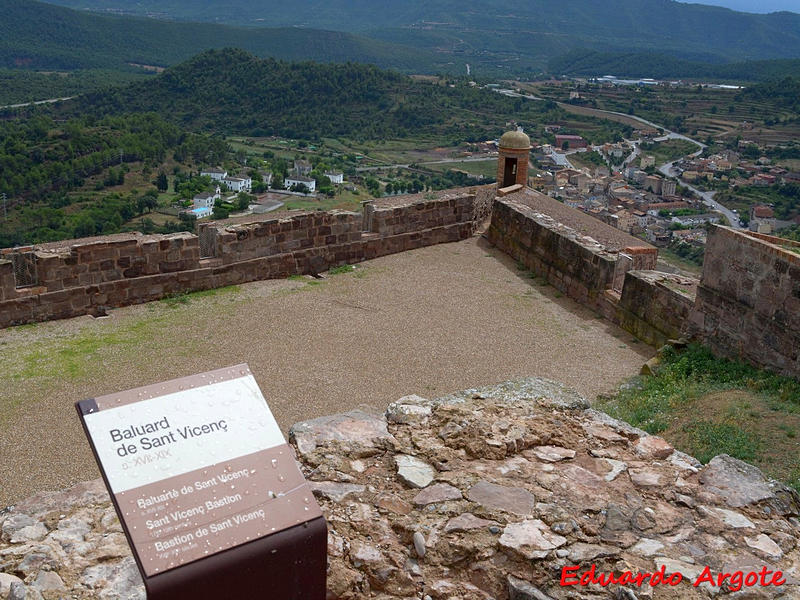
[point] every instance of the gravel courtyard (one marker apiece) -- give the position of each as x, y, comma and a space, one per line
426, 322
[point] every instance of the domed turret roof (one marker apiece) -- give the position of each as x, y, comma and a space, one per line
515, 140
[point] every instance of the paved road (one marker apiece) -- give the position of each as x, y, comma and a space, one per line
49, 101
561, 159
707, 197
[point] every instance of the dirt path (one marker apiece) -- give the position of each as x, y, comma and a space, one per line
429, 322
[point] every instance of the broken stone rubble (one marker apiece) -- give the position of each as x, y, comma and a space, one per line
520, 480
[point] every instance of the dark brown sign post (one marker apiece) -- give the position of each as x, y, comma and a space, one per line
207, 490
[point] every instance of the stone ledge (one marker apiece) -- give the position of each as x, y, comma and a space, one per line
525, 480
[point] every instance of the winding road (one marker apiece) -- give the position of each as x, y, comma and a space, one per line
667, 169
36, 103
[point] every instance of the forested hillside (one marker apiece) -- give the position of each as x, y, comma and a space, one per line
232, 91
662, 66
785, 92
35, 35
42, 160
691, 31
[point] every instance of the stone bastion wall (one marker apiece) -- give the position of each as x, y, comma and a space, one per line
748, 300
88, 276
746, 305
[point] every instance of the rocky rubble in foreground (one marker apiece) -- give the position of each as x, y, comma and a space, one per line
484, 494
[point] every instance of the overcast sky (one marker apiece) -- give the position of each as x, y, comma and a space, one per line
755, 6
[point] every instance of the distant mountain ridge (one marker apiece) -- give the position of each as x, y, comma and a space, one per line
36, 35
662, 66
691, 31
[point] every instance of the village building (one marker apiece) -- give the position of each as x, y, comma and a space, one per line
336, 177
300, 180
302, 168
216, 173
762, 219
570, 142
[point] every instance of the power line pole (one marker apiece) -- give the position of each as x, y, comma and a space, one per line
5, 210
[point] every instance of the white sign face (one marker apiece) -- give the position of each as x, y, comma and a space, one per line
170, 435
196, 466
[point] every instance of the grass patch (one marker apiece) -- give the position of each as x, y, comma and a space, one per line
709, 439
708, 406
182, 298
341, 269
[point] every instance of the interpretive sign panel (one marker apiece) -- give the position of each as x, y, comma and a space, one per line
196, 466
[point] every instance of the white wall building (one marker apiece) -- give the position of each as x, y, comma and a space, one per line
206, 199
298, 180
335, 177
239, 184
215, 174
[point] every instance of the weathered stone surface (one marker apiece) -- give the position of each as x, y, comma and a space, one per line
409, 409
552, 453
48, 581
362, 553
393, 504
466, 522
414, 472
334, 490
516, 500
653, 446
617, 467
581, 552
6, 579
763, 543
519, 589
646, 477
520, 516
439, 492
736, 481
729, 517
419, 544
603, 432
115, 580
646, 547
18, 591
22, 528
355, 430
531, 538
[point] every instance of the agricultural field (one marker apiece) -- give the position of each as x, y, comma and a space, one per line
700, 112
669, 150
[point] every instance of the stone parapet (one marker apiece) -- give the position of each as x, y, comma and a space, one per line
577, 265
89, 276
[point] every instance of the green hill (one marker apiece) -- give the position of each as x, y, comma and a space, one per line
662, 66
533, 28
35, 35
232, 91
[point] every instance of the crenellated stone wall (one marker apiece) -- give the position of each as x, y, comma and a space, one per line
747, 304
66, 279
575, 264
256, 239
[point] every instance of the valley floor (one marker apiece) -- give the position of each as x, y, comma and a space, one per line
426, 322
